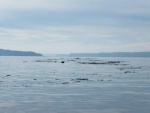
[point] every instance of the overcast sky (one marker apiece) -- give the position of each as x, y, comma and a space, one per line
75, 26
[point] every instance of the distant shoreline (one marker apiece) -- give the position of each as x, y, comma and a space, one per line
18, 53
109, 54
113, 54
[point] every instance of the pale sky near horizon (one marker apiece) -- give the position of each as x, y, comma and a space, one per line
75, 26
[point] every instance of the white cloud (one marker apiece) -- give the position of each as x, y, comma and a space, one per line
126, 6
52, 5
73, 39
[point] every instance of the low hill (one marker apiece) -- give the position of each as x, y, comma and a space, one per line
18, 53
113, 54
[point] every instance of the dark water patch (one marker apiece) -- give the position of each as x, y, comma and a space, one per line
57, 79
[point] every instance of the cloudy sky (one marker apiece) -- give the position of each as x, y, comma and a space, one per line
75, 26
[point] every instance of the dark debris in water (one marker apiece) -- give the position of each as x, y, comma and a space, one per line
86, 79
80, 79
62, 61
77, 77
8, 75
52, 61
102, 62
129, 72
65, 83
131, 68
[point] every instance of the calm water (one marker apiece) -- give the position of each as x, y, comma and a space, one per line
45, 85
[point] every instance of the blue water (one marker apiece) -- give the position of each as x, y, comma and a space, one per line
45, 85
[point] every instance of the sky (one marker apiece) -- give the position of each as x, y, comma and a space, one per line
75, 26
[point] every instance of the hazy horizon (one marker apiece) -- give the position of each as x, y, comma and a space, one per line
75, 26
51, 54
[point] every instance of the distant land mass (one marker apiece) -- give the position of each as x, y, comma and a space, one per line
112, 54
18, 53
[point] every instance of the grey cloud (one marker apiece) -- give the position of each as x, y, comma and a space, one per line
94, 23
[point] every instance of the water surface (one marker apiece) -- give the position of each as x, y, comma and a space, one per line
45, 85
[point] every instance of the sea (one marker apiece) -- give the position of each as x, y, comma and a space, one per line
74, 85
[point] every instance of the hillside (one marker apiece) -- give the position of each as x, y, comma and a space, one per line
18, 53
113, 54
